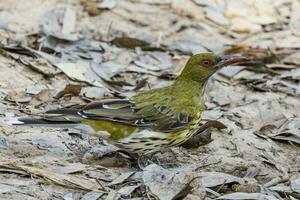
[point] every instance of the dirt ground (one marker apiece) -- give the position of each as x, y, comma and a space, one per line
67, 53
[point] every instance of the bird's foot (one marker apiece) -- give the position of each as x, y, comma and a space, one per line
143, 161
165, 159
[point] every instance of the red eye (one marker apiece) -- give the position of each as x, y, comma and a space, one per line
206, 63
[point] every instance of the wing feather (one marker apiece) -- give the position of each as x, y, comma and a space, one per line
144, 115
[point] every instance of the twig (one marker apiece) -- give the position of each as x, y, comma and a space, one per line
277, 180
218, 190
213, 192
207, 164
100, 184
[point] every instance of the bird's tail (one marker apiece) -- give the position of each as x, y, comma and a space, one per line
53, 118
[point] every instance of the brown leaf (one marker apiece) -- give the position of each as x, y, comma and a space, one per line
91, 7
128, 42
267, 129
70, 89
41, 97
247, 187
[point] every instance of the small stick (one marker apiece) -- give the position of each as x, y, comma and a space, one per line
277, 180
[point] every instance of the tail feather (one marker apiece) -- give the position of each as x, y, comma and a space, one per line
52, 118
63, 112
24, 121
43, 122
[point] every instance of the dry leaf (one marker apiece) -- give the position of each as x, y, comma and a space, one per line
65, 180
169, 184
41, 97
212, 179
246, 196
121, 178
70, 89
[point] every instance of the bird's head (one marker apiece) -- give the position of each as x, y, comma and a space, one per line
201, 66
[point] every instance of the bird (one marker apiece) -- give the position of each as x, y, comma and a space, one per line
151, 120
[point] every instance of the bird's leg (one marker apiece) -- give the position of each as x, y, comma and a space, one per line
202, 135
140, 161
144, 160
166, 158
157, 158
137, 160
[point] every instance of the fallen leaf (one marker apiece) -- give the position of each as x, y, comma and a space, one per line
7, 189
93, 92
80, 71
70, 168
107, 4
92, 196
246, 188
18, 97
216, 15
127, 190
120, 179
290, 135
295, 18
70, 89
281, 188
241, 25
72, 195
246, 196
212, 179
292, 59
168, 184
41, 97
105, 155
295, 185
112, 195
69, 23
292, 74
39, 65
212, 114
267, 129
187, 8
287, 130
91, 7
127, 42
280, 66
65, 180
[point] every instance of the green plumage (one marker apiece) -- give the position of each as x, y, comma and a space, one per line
153, 119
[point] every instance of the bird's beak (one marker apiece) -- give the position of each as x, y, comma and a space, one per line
234, 59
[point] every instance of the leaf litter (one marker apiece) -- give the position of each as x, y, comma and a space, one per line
59, 54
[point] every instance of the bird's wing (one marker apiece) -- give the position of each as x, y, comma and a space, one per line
145, 115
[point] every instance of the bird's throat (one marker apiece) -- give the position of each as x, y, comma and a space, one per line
188, 86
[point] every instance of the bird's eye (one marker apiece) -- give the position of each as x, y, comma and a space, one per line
206, 63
